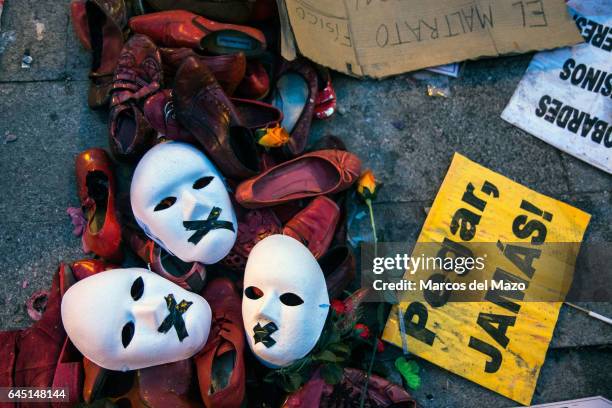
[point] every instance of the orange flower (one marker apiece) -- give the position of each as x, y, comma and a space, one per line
273, 137
367, 186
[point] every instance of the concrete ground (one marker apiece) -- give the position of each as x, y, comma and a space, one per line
405, 136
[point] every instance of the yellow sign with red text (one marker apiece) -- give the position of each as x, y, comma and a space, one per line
499, 343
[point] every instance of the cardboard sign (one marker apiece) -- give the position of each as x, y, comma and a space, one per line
378, 38
501, 343
565, 97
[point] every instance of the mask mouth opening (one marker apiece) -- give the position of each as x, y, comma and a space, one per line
97, 189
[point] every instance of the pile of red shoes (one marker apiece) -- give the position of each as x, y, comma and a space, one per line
189, 72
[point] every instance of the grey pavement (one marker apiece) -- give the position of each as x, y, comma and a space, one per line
405, 136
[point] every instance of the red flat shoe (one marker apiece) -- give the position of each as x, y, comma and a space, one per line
224, 351
190, 276
228, 69
310, 175
179, 28
314, 226
256, 82
96, 190
295, 94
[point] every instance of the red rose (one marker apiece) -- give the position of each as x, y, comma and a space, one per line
362, 330
338, 306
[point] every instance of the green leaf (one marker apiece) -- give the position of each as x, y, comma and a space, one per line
327, 355
341, 349
410, 371
294, 381
332, 373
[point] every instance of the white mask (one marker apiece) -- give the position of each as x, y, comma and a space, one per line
180, 201
120, 319
285, 301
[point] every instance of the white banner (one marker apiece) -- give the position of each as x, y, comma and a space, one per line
565, 97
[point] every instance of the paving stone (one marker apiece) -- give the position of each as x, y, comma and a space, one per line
52, 124
566, 374
585, 178
39, 26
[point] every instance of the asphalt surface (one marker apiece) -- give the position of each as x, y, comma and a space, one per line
405, 136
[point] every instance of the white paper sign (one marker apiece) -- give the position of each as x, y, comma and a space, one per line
591, 402
565, 97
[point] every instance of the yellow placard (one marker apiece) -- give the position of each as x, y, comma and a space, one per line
499, 344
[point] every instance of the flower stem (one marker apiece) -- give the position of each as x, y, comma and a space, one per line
364, 392
372, 223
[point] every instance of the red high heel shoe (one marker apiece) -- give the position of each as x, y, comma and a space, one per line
96, 190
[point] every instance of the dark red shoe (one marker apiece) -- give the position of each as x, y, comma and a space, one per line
257, 115
314, 226
228, 69
159, 112
338, 266
255, 226
96, 190
256, 82
325, 104
38, 348
166, 385
78, 16
181, 28
138, 75
295, 94
310, 175
227, 11
224, 350
87, 267
190, 276
106, 20
204, 109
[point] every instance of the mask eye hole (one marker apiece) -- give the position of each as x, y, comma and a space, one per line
165, 203
253, 292
137, 288
291, 299
127, 334
202, 182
